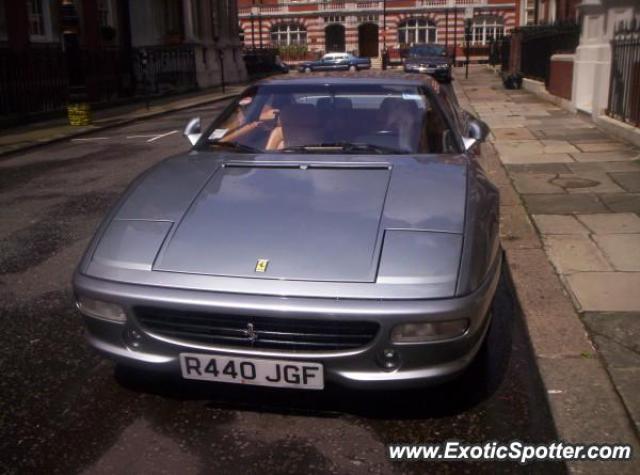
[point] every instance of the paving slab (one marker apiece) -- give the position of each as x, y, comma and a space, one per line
630, 181
586, 182
549, 168
622, 328
534, 147
622, 250
564, 203
614, 223
601, 146
558, 224
575, 253
582, 167
536, 158
534, 183
512, 134
606, 291
616, 156
558, 146
621, 202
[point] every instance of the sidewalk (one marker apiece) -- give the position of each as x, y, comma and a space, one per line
570, 205
28, 136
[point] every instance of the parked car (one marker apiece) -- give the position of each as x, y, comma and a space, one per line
321, 230
431, 59
336, 62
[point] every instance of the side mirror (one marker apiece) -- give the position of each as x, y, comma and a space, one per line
193, 130
477, 131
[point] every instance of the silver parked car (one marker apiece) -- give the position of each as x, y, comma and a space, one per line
321, 230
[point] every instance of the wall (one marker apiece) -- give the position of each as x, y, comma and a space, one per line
561, 75
593, 55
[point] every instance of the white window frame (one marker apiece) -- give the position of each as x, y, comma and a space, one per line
493, 25
45, 20
105, 13
412, 27
3, 21
281, 34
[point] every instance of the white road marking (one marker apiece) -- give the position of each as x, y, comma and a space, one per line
158, 137
140, 136
90, 139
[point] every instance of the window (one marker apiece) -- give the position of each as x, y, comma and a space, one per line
105, 16
486, 29
172, 21
417, 30
367, 18
288, 34
3, 22
195, 18
36, 18
39, 16
334, 19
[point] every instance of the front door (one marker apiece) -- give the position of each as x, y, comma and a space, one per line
334, 38
368, 40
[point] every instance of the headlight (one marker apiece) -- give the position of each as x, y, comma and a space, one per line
100, 309
442, 66
428, 331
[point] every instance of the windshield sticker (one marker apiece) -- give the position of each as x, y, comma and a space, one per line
218, 134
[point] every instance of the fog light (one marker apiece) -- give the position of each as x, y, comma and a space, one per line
100, 309
133, 337
389, 359
428, 331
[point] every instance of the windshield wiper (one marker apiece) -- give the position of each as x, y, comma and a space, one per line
237, 147
345, 147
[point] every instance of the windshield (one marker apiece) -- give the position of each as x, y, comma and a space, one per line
325, 118
427, 50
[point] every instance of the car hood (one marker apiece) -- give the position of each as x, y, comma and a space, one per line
427, 60
364, 221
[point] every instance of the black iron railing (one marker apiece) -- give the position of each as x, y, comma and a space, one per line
36, 81
624, 89
540, 42
164, 69
32, 81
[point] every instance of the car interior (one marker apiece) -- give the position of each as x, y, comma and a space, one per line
398, 122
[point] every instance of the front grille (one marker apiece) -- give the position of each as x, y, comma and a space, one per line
257, 332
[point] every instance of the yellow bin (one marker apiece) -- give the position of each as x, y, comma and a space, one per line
79, 113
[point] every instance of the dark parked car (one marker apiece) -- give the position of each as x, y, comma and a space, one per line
430, 59
322, 230
336, 62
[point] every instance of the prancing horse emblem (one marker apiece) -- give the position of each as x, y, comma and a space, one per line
250, 333
261, 265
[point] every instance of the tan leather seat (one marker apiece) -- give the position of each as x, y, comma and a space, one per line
300, 125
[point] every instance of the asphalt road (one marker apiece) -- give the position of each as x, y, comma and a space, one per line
63, 409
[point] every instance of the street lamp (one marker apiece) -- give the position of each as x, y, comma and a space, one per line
468, 15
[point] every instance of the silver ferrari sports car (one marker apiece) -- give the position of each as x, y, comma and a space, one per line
321, 230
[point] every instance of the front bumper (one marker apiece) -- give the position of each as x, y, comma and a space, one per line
438, 73
420, 364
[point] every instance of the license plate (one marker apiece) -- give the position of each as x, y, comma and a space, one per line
252, 371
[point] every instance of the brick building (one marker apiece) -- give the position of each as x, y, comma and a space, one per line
364, 27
